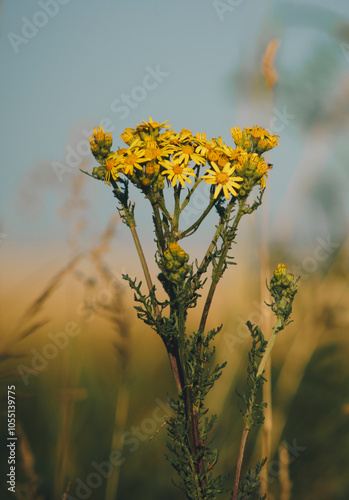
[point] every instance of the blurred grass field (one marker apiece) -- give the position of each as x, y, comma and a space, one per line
113, 377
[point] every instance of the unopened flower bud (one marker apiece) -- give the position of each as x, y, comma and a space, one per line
108, 140
280, 271
94, 148
182, 255
104, 151
167, 255
99, 135
174, 248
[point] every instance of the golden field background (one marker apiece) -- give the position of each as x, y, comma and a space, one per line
108, 380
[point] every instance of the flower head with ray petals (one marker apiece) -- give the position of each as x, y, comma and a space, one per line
177, 171
131, 160
223, 178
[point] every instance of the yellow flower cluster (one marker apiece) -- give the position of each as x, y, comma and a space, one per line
153, 154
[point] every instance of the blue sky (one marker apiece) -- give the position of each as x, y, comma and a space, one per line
66, 70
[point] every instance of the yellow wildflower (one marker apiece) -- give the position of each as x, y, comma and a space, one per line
127, 136
110, 165
204, 147
223, 178
222, 160
151, 124
131, 160
237, 135
153, 151
177, 172
187, 153
201, 136
267, 143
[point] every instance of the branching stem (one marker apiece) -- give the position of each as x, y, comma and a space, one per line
197, 223
217, 274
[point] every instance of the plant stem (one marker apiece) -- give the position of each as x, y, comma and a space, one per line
163, 208
192, 420
158, 227
196, 224
171, 347
177, 210
141, 257
218, 271
269, 348
189, 195
245, 432
239, 464
187, 386
211, 247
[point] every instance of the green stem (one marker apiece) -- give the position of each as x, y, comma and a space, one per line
211, 247
217, 274
171, 345
163, 209
187, 387
192, 420
276, 329
189, 195
197, 481
158, 227
196, 224
270, 345
177, 194
141, 257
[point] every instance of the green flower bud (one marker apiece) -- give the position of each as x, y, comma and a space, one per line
108, 140
94, 148
289, 277
104, 151
182, 256
183, 270
167, 255
161, 182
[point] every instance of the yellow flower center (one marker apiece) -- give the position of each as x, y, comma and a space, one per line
212, 155
109, 163
222, 160
222, 178
152, 153
177, 169
188, 150
150, 169
131, 159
